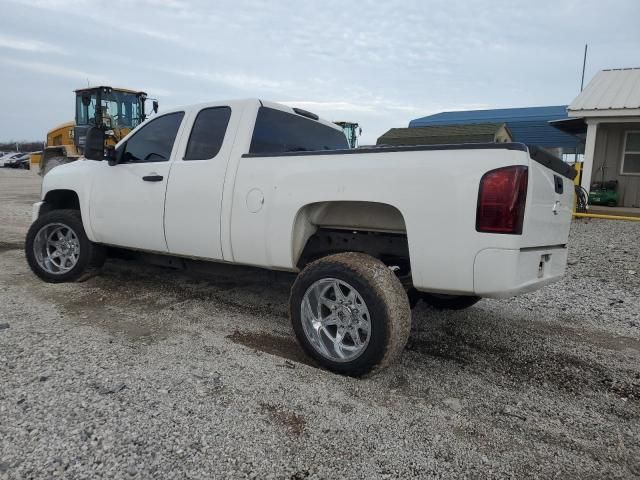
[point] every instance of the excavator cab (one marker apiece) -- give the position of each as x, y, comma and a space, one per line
116, 111
352, 131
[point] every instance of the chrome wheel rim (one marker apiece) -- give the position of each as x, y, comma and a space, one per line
335, 320
56, 248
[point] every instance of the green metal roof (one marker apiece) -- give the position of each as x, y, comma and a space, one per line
442, 134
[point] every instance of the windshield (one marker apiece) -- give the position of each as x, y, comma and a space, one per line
119, 109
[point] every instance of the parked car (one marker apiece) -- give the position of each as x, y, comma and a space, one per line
5, 161
24, 163
22, 160
4, 156
257, 183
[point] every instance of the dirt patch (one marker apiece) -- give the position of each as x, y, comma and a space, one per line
518, 363
293, 422
137, 317
285, 347
6, 246
25, 199
596, 339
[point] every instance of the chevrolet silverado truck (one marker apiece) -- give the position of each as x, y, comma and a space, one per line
257, 183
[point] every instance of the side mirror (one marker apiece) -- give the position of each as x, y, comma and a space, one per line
155, 106
94, 144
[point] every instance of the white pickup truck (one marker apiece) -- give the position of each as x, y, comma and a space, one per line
257, 183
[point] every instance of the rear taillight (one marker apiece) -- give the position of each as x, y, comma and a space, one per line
501, 200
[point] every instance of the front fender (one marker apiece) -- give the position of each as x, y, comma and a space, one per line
76, 177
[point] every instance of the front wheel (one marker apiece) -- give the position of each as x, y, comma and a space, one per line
350, 313
58, 249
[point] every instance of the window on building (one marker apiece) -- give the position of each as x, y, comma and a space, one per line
631, 154
277, 131
207, 133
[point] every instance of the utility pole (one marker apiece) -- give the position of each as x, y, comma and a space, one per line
584, 64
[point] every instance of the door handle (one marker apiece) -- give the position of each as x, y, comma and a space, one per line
153, 178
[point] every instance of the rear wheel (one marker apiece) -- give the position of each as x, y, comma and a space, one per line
58, 249
350, 313
449, 302
413, 296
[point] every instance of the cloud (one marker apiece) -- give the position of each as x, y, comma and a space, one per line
28, 45
113, 17
378, 63
335, 106
239, 81
56, 70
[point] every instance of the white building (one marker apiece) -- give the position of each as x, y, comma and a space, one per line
610, 107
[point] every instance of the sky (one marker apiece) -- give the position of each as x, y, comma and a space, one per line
380, 63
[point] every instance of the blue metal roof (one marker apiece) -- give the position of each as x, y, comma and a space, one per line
528, 125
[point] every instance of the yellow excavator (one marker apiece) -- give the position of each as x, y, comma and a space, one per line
116, 111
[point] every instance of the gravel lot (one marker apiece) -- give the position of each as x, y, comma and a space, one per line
148, 372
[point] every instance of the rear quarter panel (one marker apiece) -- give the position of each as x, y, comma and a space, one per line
435, 191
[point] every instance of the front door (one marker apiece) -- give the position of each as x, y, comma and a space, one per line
127, 200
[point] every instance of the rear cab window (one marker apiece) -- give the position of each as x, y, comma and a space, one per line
277, 131
208, 133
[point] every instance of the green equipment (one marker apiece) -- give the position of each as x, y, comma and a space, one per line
604, 193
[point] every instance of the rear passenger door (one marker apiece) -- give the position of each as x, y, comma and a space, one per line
195, 189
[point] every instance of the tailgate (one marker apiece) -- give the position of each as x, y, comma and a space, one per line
549, 204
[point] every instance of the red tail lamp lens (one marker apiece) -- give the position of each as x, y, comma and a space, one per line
501, 200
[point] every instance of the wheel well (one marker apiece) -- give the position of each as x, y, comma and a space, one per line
60, 199
391, 248
359, 216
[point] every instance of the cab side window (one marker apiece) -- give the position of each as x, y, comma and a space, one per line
154, 141
207, 133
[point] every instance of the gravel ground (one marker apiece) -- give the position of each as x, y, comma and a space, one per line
148, 372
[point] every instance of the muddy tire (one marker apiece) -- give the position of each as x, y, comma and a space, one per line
350, 313
449, 302
414, 297
52, 162
58, 249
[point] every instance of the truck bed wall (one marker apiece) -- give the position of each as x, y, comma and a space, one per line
435, 191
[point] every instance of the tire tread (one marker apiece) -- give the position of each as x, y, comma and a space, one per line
87, 266
388, 296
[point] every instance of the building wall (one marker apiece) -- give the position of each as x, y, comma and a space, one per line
607, 162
